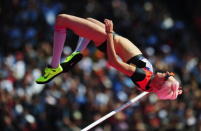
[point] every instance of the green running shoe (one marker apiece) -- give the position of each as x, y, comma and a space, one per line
71, 61
49, 74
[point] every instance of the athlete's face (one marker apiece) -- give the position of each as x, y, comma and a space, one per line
166, 86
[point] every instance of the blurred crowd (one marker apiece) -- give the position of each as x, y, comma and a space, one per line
93, 88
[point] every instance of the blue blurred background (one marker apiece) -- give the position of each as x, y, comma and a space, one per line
168, 33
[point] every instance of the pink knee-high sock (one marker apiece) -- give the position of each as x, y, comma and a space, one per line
82, 44
59, 40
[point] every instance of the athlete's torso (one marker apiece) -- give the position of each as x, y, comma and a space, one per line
125, 48
130, 54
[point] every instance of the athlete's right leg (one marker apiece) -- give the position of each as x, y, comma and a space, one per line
81, 27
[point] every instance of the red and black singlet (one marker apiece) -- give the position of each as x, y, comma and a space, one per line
142, 78
143, 73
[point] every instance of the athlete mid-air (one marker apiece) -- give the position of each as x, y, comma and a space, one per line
132, 63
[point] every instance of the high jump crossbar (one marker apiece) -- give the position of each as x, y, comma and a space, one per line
126, 105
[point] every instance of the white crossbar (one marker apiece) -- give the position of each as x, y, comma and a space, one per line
129, 103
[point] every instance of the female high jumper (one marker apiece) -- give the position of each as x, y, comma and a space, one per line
133, 64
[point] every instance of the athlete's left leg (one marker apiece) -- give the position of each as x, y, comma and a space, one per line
83, 42
76, 56
96, 22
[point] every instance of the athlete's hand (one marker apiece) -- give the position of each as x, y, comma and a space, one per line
108, 26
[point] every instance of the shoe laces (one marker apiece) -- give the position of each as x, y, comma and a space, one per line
47, 71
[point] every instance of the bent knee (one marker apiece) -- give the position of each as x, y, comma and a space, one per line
61, 18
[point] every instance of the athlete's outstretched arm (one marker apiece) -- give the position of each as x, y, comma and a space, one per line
112, 56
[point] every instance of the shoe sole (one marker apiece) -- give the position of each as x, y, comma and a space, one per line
74, 61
